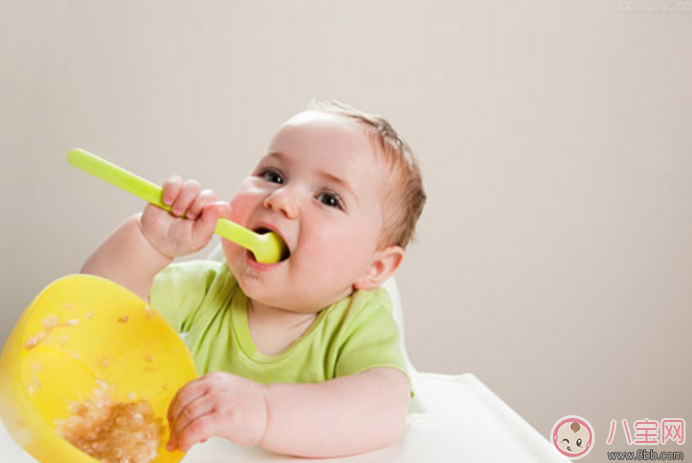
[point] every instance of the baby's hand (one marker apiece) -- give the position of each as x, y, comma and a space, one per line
217, 404
190, 225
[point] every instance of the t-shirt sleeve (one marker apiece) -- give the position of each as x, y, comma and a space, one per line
180, 289
373, 338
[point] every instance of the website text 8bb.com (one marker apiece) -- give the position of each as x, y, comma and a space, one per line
646, 455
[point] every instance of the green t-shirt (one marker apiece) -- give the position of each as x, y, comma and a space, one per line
203, 300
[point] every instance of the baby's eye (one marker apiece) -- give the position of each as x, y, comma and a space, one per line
272, 176
578, 442
565, 440
330, 199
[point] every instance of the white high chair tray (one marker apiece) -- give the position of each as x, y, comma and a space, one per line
463, 422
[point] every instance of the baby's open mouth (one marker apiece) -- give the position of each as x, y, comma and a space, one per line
286, 253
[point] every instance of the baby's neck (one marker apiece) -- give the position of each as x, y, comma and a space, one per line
273, 329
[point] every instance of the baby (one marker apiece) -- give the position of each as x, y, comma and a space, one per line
300, 357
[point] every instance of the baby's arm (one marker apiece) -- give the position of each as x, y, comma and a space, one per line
146, 243
344, 416
348, 415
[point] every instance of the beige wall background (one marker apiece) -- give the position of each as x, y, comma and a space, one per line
554, 259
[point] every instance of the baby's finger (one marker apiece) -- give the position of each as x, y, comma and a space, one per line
197, 431
186, 197
204, 229
191, 391
205, 197
224, 210
171, 189
193, 411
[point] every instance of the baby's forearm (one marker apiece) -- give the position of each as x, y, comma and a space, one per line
127, 258
344, 416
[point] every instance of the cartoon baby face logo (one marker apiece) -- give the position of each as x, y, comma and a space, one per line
573, 437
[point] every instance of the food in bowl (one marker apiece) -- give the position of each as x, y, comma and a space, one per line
111, 431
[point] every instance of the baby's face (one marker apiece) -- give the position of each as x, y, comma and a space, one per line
571, 442
320, 188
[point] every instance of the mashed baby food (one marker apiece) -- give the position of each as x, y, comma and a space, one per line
110, 431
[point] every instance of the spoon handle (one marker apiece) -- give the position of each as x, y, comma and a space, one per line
117, 176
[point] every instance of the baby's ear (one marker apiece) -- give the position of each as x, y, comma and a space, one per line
383, 265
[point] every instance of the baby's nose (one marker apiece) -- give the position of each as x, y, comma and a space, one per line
283, 201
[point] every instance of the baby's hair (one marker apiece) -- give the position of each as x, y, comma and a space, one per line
405, 196
575, 426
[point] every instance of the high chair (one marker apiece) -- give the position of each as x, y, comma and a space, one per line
452, 418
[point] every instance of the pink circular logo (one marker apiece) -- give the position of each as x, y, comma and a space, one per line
573, 437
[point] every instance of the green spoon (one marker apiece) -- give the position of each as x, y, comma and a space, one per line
268, 248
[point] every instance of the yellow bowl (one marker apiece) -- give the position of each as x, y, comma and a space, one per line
94, 330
